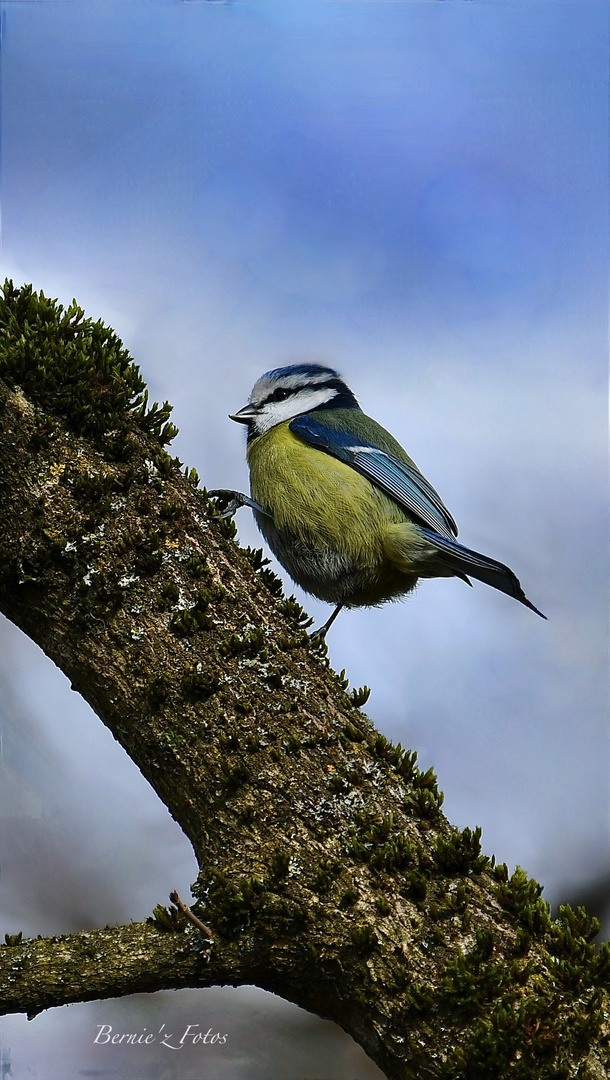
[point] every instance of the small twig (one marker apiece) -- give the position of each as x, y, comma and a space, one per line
175, 899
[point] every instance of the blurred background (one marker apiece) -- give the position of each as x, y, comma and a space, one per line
415, 193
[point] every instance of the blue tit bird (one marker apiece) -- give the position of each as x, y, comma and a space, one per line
345, 510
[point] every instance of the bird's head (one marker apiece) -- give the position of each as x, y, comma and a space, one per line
286, 392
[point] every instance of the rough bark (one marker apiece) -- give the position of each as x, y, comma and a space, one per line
328, 872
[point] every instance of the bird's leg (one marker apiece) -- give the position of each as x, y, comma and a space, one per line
319, 635
235, 499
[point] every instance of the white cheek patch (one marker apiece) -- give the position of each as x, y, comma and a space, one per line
277, 412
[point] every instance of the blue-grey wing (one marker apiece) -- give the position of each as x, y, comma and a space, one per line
402, 482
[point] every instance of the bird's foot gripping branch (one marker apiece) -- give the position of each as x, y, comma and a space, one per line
328, 873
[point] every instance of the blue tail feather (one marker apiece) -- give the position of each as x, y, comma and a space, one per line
464, 561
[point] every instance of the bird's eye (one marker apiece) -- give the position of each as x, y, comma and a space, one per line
279, 394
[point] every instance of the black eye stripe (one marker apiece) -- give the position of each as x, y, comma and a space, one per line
335, 394
277, 395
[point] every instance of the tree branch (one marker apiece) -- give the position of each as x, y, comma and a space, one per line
328, 873
47, 972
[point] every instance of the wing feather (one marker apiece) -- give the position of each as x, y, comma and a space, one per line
402, 482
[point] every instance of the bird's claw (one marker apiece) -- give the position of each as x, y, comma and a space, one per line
321, 632
234, 500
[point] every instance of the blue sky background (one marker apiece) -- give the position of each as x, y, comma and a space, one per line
416, 193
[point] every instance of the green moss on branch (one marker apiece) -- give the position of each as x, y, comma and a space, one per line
75, 368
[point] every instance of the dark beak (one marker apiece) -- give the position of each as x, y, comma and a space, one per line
245, 415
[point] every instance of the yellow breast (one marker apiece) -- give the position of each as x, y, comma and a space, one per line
309, 491
335, 532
